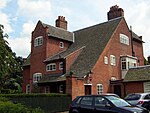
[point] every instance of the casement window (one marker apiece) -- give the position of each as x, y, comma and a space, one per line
123, 64
99, 88
112, 60
61, 65
124, 39
61, 88
47, 89
61, 45
105, 59
128, 62
51, 67
28, 88
37, 77
38, 41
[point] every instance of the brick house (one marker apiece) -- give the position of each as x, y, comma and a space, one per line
91, 60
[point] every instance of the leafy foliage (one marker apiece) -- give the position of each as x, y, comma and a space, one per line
10, 65
7, 106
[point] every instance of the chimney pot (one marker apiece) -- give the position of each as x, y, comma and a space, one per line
115, 12
61, 22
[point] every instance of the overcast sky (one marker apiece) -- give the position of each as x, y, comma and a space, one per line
20, 17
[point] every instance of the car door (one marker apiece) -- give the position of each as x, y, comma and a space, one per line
86, 105
101, 105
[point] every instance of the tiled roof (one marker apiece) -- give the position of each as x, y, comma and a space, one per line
141, 73
27, 62
136, 37
52, 78
59, 33
93, 39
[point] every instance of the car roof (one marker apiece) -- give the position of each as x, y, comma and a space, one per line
107, 94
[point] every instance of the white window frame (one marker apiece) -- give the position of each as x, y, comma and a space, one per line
51, 67
61, 88
38, 41
105, 59
61, 66
112, 60
28, 90
99, 88
124, 39
47, 89
61, 44
37, 77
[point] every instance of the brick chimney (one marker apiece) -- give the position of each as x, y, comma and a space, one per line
61, 22
115, 12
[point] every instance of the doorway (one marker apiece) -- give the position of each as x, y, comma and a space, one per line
87, 89
117, 90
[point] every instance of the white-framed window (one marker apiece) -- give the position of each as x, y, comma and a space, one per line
28, 88
61, 45
112, 60
61, 88
128, 62
61, 65
37, 77
124, 39
105, 59
51, 67
47, 89
38, 41
99, 88
123, 64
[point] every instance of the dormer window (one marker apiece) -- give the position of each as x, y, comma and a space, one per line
124, 39
51, 67
37, 77
38, 41
61, 45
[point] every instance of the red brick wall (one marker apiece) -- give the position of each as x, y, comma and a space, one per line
102, 73
135, 87
74, 86
138, 49
38, 53
52, 46
26, 77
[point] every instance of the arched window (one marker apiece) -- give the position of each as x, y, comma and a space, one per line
37, 77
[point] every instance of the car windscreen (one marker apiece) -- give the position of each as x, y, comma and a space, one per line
118, 102
133, 97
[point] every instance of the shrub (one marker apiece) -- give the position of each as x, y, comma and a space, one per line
9, 107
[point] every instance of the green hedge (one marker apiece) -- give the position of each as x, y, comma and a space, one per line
50, 103
9, 107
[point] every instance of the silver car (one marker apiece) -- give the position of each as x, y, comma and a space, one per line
139, 99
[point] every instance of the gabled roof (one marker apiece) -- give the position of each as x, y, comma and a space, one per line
59, 33
136, 37
93, 39
141, 73
27, 62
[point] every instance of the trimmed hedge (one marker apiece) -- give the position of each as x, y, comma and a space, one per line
9, 107
50, 103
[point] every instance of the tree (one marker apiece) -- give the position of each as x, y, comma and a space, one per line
10, 67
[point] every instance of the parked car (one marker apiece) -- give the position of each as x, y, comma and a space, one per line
139, 99
103, 104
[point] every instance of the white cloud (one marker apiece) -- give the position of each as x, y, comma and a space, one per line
22, 45
32, 9
5, 21
3, 3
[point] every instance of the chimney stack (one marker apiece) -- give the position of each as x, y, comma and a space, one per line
115, 12
61, 22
